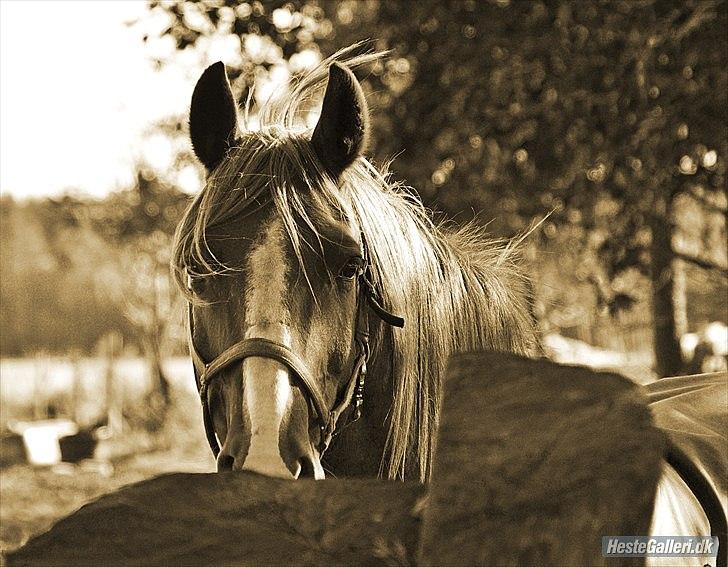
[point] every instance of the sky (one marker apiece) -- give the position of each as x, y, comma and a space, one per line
77, 89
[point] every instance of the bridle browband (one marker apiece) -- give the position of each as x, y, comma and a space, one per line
326, 420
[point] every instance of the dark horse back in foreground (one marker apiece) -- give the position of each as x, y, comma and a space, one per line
301, 262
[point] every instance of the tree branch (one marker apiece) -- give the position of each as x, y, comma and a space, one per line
702, 263
703, 13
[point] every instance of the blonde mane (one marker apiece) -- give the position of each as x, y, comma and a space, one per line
456, 289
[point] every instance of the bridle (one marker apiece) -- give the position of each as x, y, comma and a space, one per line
325, 419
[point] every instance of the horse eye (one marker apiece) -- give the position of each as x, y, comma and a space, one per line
352, 268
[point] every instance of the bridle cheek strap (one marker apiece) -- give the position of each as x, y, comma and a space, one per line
353, 395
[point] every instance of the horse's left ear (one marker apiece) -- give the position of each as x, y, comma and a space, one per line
341, 133
213, 116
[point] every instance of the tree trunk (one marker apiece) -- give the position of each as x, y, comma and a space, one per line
159, 399
154, 355
111, 346
160, 384
680, 298
668, 358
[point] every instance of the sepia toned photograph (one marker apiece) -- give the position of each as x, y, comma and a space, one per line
363, 282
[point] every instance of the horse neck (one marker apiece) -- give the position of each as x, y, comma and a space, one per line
358, 449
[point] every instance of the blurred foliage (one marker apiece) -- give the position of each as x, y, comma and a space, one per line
49, 293
527, 106
291, 28
263, 43
598, 111
140, 222
150, 209
75, 269
601, 113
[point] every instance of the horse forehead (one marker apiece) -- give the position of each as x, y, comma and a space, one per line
229, 243
267, 268
282, 286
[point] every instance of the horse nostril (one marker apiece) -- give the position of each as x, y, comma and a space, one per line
225, 463
306, 468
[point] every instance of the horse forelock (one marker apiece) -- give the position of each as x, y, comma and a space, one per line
456, 289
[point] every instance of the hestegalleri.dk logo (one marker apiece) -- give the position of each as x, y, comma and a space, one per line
660, 546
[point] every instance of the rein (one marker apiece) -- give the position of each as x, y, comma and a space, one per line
325, 419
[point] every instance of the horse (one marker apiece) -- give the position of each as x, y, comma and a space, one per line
325, 300
300, 242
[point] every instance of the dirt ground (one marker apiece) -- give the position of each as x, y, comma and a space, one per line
32, 499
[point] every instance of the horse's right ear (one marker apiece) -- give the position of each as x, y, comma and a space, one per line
341, 133
213, 116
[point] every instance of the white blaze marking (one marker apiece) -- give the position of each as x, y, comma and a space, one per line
267, 395
266, 383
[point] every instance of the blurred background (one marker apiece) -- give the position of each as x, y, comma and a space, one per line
607, 116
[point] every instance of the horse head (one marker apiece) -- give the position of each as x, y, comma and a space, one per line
290, 258
279, 285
